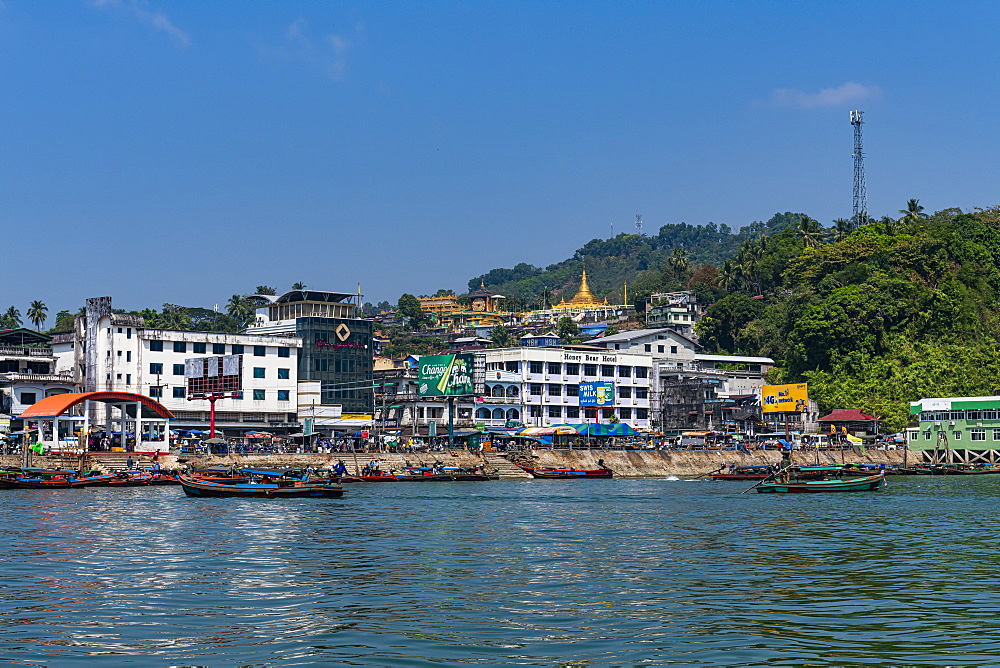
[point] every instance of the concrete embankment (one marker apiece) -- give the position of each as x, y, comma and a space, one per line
625, 463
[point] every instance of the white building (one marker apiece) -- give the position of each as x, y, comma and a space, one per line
116, 352
27, 373
550, 383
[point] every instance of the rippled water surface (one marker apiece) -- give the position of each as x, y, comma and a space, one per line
568, 573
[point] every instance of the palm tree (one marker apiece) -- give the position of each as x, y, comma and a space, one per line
298, 286
500, 337
240, 308
842, 229
889, 225
913, 214
678, 262
810, 231
728, 275
265, 290
13, 317
37, 312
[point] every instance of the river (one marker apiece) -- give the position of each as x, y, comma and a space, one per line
508, 573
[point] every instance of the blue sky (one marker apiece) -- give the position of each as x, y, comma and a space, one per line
185, 151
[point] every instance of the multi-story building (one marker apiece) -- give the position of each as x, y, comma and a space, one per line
400, 409
676, 310
336, 356
550, 381
502, 402
27, 374
969, 423
117, 352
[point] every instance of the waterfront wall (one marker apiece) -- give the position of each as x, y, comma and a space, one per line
625, 463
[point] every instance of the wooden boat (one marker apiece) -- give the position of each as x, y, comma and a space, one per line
62, 483
276, 490
745, 473
794, 486
566, 474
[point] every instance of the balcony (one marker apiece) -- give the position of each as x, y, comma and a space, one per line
16, 376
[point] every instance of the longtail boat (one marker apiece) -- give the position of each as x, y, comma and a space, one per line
62, 483
795, 486
745, 473
276, 490
565, 474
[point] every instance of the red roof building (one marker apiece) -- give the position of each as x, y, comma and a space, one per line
852, 419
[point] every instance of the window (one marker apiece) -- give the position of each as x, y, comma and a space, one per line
535, 411
648, 348
258, 351
128, 379
573, 411
555, 368
535, 367
155, 369
673, 350
511, 366
178, 369
555, 390
283, 395
977, 434
258, 395
618, 346
607, 371
996, 435
625, 413
625, 371
927, 435
625, 392
258, 372
555, 411
119, 330
218, 348
237, 349
659, 349
155, 392
641, 413
128, 333
180, 347
283, 374
119, 353
28, 397
156, 346
572, 390
284, 352
589, 369
199, 347
642, 393
128, 355
535, 388
957, 435
572, 369
179, 393
641, 372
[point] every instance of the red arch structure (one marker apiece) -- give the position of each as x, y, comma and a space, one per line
58, 404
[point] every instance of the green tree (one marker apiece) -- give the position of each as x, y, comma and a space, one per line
241, 309
37, 311
567, 329
722, 327
500, 337
267, 290
408, 306
913, 214
12, 318
298, 286
64, 323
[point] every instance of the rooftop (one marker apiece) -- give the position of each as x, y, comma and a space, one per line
847, 415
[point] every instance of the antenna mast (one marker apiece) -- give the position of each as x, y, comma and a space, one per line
638, 224
860, 191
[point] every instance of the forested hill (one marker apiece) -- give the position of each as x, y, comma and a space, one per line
647, 263
871, 318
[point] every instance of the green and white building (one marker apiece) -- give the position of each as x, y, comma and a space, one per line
969, 423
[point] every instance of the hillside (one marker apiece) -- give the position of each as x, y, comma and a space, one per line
891, 312
648, 263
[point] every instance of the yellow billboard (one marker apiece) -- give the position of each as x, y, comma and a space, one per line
785, 398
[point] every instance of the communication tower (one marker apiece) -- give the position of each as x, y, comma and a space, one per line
860, 193
638, 224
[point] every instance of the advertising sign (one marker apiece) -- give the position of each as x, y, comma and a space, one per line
785, 398
598, 395
446, 375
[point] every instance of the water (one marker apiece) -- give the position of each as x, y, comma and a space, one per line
509, 573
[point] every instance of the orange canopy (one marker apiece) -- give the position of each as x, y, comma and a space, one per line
58, 404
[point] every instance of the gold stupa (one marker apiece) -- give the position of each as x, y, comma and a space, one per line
583, 299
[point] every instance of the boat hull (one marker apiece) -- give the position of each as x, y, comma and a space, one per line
566, 474
194, 487
869, 484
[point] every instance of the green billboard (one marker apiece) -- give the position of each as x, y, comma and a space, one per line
446, 375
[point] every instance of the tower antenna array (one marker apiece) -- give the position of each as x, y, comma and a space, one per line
860, 191
638, 224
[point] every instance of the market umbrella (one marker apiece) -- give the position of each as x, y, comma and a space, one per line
215, 441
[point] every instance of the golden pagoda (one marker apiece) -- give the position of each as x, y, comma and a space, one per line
583, 300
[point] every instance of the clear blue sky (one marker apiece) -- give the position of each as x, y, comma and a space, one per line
185, 151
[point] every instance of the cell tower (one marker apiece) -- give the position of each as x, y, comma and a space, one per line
638, 224
860, 193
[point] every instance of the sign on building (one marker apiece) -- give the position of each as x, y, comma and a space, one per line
446, 376
597, 395
213, 375
785, 398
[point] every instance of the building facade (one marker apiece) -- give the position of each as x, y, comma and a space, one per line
28, 374
550, 381
970, 423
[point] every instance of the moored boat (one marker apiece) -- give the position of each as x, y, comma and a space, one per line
273, 490
566, 474
71, 481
